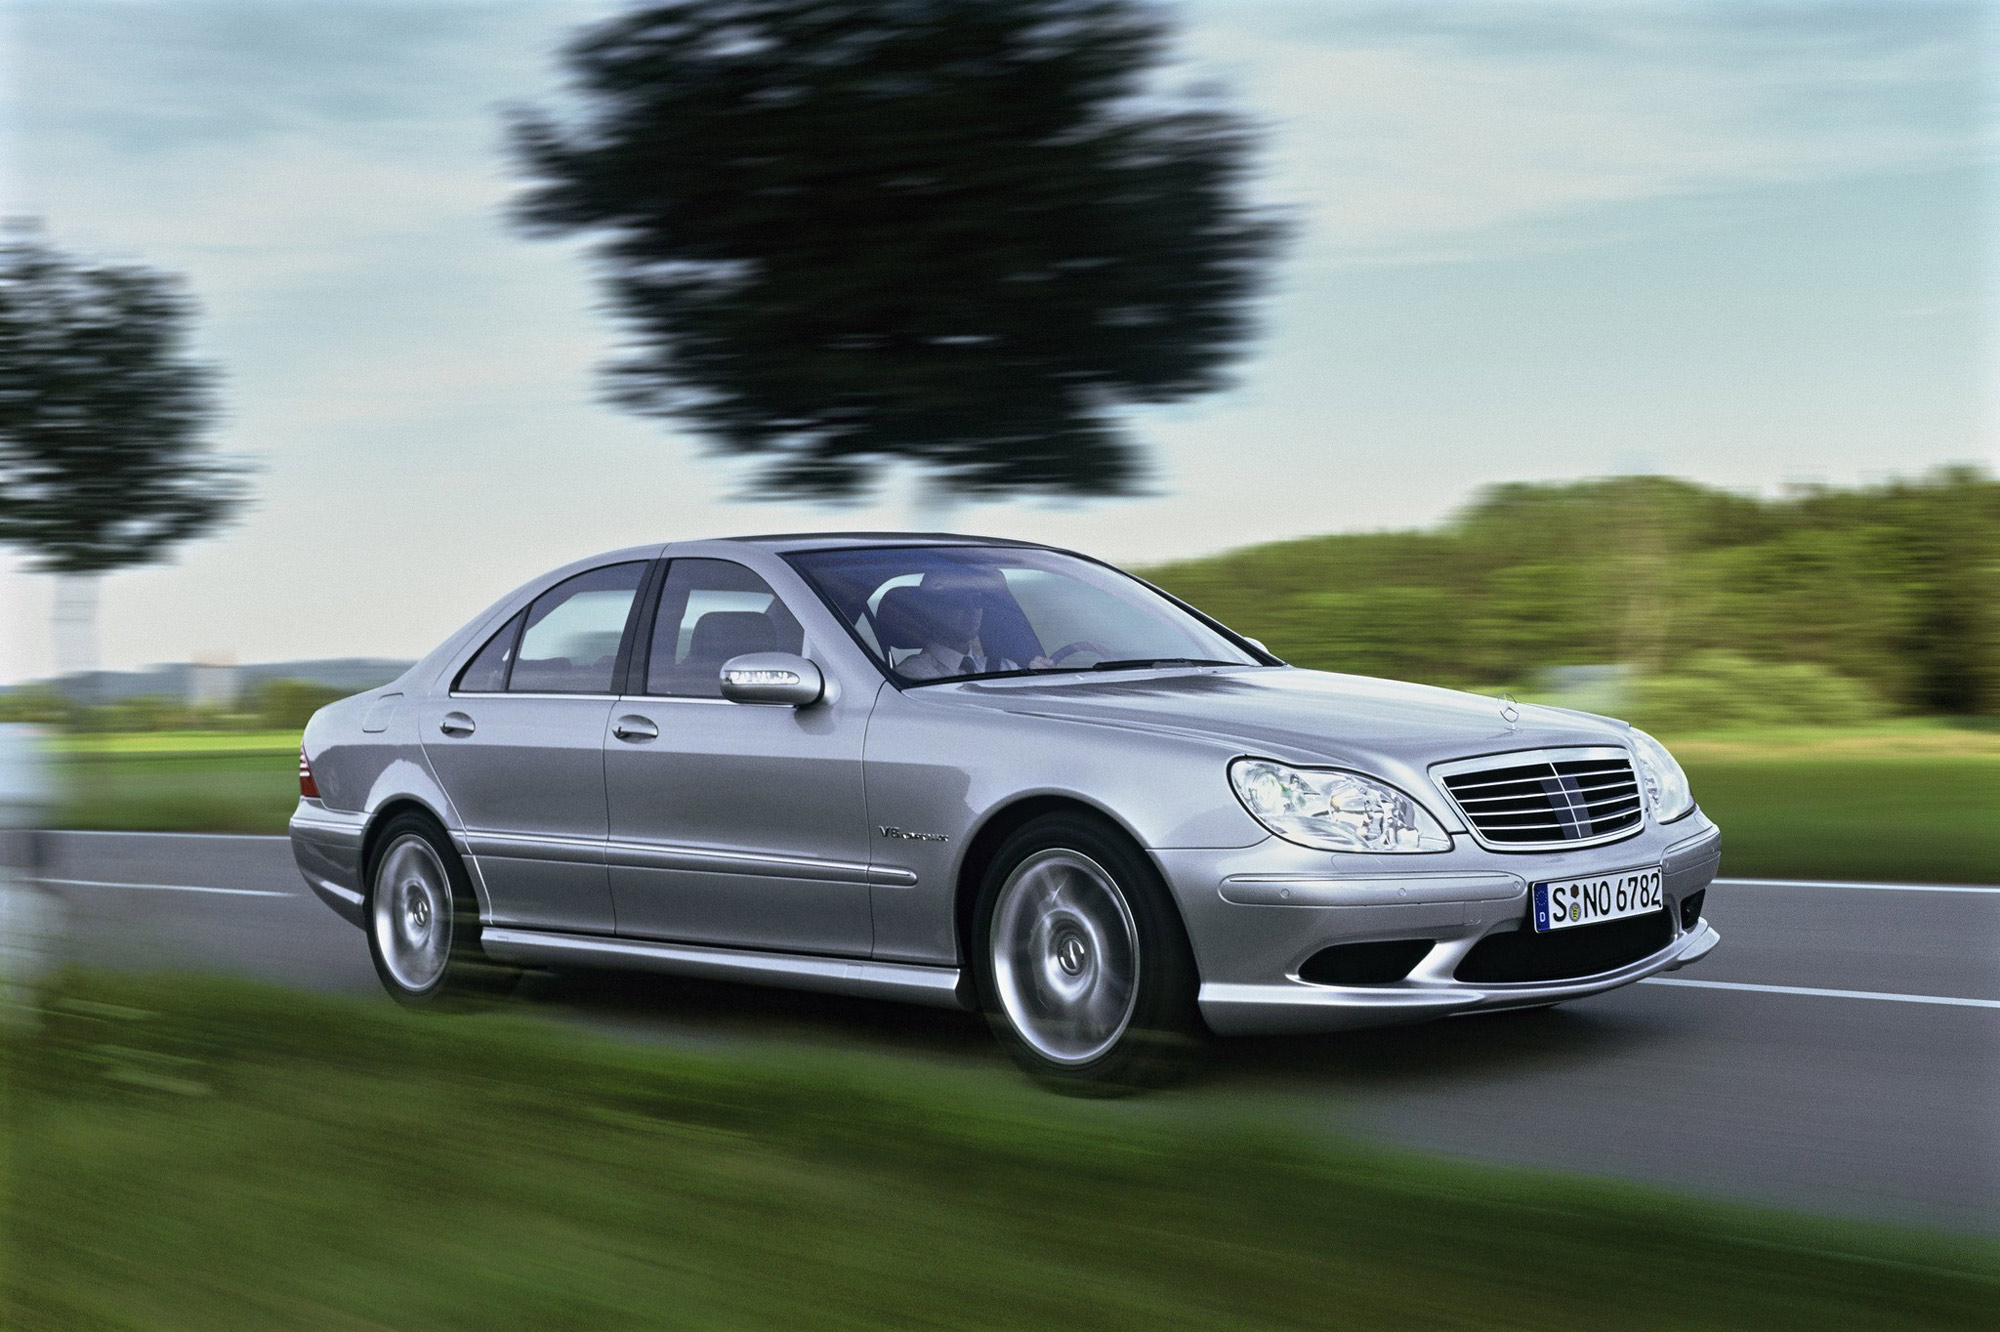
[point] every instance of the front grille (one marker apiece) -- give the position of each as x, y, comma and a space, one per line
1585, 950
1549, 801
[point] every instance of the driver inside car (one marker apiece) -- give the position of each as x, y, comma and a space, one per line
952, 614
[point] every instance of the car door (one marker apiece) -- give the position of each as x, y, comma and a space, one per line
518, 745
734, 824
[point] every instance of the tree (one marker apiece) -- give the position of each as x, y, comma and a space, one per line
958, 233
104, 417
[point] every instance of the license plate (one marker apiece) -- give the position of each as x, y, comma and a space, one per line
1562, 903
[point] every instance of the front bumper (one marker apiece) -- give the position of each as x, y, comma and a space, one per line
1255, 915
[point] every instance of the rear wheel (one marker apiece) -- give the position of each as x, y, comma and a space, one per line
1081, 962
423, 921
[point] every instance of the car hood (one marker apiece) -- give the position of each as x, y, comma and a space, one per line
1296, 715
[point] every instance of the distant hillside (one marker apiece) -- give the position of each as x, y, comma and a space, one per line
349, 675
1894, 586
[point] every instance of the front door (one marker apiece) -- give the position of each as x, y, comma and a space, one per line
734, 824
519, 747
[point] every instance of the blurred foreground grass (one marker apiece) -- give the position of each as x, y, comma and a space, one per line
215, 1155
1899, 801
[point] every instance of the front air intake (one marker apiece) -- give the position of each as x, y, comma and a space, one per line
1383, 962
1523, 956
1691, 908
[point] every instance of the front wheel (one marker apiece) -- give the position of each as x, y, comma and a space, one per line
423, 922
1081, 962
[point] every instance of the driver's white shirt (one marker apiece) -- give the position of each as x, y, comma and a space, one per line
937, 661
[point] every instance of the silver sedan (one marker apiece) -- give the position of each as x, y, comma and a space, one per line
988, 775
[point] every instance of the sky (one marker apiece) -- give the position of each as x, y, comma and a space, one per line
1751, 243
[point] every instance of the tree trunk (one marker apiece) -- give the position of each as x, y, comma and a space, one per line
932, 503
76, 624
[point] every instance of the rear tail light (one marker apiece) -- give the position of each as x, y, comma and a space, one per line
307, 786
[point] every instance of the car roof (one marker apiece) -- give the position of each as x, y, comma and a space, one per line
786, 542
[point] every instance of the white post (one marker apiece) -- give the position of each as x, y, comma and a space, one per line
30, 916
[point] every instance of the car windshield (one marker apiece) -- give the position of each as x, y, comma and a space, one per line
932, 613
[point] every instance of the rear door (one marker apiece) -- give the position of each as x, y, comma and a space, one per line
519, 747
734, 824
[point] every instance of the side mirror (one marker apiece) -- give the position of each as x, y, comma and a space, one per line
772, 677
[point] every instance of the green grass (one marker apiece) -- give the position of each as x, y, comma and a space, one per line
1902, 801
1931, 820
214, 1155
179, 742
220, 791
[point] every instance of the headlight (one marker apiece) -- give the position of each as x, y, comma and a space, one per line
1334, 811
1665, 784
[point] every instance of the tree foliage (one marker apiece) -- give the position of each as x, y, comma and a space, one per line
963, 233
1895, 587
104, 414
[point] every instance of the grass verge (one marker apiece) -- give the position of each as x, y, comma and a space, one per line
216, 1155
178, 742
219, 790
1860, 817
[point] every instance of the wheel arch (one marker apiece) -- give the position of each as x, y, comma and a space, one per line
371, 837
1004, 822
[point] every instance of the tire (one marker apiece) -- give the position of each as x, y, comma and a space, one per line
422, 919
1080, 959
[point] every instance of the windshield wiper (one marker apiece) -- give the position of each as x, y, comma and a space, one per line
1141, 663
975, 675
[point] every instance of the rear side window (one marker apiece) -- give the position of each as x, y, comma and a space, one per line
710, 611
487, 672
569, 643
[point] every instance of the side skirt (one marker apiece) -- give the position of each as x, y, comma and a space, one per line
936, 986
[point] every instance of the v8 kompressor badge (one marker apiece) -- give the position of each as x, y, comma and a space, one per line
902, 836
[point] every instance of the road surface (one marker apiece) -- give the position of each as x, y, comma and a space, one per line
1840, 1052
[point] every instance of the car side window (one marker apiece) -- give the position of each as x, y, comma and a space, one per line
486, 673
710, 611
569, 643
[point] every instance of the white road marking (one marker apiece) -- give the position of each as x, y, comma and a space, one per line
1883, 995
168, 887
1872, 887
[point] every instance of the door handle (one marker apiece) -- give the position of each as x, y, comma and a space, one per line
635, 727
457, 723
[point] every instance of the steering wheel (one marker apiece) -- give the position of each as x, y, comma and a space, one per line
1081, 645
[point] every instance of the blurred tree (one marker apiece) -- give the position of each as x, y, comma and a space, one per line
287, 705
959, 233
1891, 592
104, 414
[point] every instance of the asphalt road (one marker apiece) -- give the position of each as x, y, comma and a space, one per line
1840, 1052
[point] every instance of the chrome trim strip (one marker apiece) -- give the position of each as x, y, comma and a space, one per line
938, 986
1323, 890
341, 830
711, 860
522, 693
533, 846
347, 895
672, 856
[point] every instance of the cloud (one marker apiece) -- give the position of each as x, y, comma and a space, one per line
1423, 132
